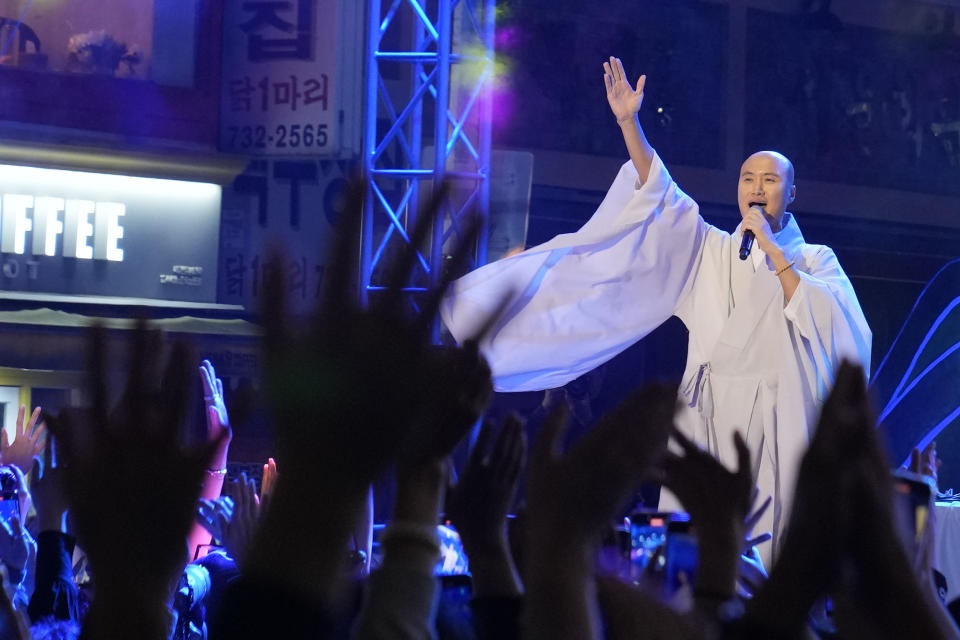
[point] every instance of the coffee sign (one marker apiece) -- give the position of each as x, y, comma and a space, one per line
94, 234
64, 225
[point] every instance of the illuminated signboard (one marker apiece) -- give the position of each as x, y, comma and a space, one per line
279, 78
95, 234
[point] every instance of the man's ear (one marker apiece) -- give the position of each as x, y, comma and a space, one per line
793, 193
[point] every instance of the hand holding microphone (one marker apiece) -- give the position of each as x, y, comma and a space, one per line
748, 234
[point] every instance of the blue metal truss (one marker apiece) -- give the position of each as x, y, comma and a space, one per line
400, 82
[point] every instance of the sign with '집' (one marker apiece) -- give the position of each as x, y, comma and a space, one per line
279, 75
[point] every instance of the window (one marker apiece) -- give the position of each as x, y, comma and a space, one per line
140, 39
145, 68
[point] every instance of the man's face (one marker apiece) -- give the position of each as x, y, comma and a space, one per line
766, 180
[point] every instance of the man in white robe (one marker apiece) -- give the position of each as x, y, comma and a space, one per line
766, 333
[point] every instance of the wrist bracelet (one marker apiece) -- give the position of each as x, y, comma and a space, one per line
782, 269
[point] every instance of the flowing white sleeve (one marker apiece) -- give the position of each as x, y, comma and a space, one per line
581, 298
826, 313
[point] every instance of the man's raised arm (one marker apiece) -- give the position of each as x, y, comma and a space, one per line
625, 102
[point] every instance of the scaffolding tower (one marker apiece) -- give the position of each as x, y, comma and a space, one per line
430, 68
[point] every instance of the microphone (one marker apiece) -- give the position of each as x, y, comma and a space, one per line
747, 243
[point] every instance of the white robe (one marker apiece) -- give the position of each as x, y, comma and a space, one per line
754, 363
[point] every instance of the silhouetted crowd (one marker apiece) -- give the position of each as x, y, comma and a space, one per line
100, 504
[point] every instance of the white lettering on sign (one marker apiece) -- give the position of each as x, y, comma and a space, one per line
15, 225
46, 225
76, 228
108, 231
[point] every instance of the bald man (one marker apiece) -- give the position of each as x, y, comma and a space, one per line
766, 332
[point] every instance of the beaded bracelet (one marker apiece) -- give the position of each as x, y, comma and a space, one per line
781, 270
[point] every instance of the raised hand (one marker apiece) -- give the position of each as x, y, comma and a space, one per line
15, 547
25, 497
813, 552
718, 501
240, 526
479, 503
218, 431
13, 622
127, 472
751, 573
753, 517
232, 518
926, 462
889, 595
576, 493
214, 515
358, 388
449, 416
218, 422
423, 472
624, 100
838, 441
572, 495
18, 549
49, 497
360, 382
268, 482
27, 442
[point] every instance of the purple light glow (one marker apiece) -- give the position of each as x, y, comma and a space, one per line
504, 105
506, 38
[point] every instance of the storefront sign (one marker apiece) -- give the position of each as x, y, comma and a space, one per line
81, 233
280, 61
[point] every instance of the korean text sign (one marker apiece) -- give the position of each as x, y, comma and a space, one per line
279, 72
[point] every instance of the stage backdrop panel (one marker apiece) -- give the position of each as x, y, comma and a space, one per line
853, 104
550, 92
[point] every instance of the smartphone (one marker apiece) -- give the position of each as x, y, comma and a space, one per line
911, 497
9, 494
453, 559
681, 553
648, 531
